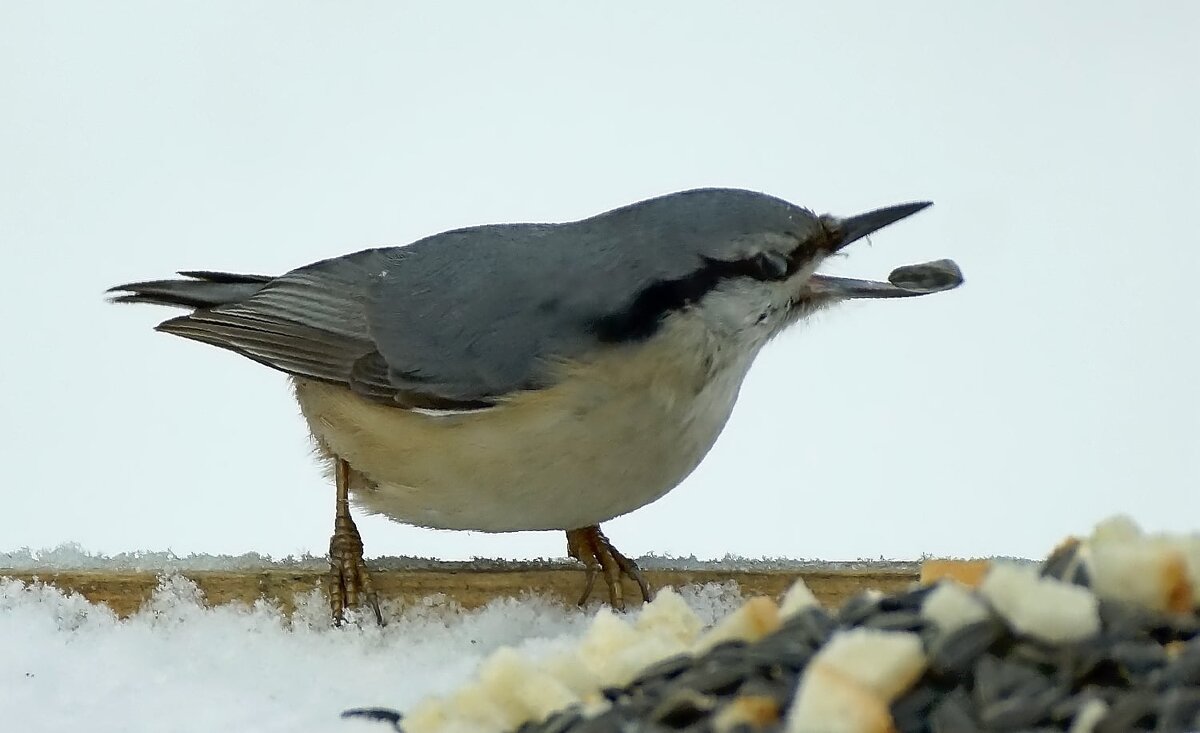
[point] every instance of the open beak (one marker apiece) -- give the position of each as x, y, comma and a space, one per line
904, 282
852, 228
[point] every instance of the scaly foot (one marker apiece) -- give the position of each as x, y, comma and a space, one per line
589, 546
349, 581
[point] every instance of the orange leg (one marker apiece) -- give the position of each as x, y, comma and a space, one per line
589, 546
349, 581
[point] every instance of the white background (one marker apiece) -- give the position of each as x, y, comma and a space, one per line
1059, 142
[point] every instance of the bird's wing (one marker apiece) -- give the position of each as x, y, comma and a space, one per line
485, 312
462, 318
312, 323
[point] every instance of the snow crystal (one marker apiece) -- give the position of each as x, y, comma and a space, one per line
73, 557
69, 665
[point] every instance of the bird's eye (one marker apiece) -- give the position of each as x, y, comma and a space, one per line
771, 266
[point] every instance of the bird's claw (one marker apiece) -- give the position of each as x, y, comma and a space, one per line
349, 580
589, 546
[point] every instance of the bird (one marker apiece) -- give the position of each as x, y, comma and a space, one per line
532, 376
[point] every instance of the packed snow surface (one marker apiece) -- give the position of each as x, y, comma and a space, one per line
69, 665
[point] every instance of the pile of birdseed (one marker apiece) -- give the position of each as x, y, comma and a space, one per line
1103, 637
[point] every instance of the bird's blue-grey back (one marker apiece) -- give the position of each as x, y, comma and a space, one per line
477, 312
467, 316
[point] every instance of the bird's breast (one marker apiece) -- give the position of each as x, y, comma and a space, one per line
611, 435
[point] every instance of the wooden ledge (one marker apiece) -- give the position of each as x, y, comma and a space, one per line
125, 591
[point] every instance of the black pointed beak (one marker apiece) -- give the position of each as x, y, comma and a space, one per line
852, 228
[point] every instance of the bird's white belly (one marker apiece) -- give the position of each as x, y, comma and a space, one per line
609, 439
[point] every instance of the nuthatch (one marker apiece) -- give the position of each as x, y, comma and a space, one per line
533, 376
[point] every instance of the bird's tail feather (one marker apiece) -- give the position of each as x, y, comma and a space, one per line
199, 290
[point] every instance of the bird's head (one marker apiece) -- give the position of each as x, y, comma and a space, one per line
744, 262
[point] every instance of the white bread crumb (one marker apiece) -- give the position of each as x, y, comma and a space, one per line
950, 606
797, 598
614, 651
1149, 573
1089, 716
669, 615
756, 618
885, 662
1117, 528
1044, 608
829, 701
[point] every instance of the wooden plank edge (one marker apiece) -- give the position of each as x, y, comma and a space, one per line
126, 591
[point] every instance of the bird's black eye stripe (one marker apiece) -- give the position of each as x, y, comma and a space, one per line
643, 315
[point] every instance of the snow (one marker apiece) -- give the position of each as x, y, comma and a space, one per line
69, 665
70, 556
73, 557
